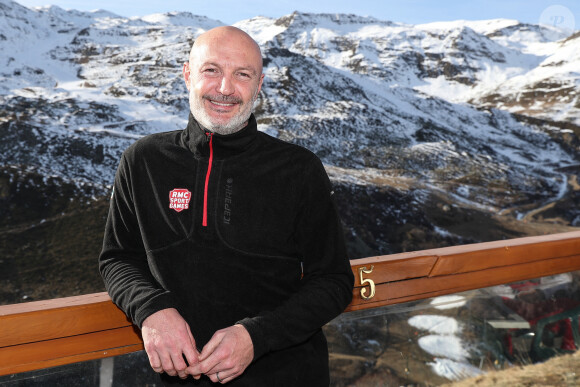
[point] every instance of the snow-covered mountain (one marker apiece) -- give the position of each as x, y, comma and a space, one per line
481, 115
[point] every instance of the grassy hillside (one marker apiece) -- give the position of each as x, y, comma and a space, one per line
50, 237
561, 371
51, 230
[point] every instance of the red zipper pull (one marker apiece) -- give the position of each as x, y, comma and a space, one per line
205, 192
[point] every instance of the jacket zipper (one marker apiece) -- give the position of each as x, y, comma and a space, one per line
205, 191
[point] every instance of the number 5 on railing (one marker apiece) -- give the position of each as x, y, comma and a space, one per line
364, 282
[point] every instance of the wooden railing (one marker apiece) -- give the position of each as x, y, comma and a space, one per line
62, 331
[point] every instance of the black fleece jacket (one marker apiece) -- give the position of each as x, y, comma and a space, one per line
231, 229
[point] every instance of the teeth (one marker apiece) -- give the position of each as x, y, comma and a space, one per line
223, 104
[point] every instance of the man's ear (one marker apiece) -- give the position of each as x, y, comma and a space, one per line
186, 74
259, 87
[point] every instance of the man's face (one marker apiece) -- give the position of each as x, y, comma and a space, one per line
224, 77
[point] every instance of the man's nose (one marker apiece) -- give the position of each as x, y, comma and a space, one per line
226, 86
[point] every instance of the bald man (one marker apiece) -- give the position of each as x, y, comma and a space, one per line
223, 244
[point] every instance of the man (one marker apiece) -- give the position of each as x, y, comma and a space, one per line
223, 244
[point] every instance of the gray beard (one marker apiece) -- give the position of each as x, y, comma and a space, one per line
238, 122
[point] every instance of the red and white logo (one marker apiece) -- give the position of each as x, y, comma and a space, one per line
179, 199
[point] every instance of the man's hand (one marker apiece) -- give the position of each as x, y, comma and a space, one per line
167, 340
225, 357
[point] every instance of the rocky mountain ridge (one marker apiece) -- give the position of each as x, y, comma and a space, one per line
423, 128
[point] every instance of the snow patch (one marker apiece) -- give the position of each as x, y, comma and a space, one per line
448, 346
454, 370
442, 325
448, 302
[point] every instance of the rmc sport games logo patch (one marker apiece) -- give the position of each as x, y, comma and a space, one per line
179, 199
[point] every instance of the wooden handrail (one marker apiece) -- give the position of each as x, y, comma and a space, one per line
429, 273
62, 331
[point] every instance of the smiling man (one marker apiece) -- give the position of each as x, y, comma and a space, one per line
223, 244
224, 77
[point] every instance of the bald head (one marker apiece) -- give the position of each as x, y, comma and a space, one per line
228, 35
224, 77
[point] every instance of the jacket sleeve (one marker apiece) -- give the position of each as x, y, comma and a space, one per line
327, 284
123, 260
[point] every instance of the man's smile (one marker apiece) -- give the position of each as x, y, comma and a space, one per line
222, 102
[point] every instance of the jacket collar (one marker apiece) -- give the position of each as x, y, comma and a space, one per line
196, 139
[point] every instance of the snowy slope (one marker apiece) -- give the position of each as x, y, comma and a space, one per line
425, 108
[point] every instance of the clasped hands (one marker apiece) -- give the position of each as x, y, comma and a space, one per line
169, 343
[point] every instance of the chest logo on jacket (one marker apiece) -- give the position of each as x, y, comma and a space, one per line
228, 200
179, 199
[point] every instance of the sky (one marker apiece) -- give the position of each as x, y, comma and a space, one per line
565, 13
